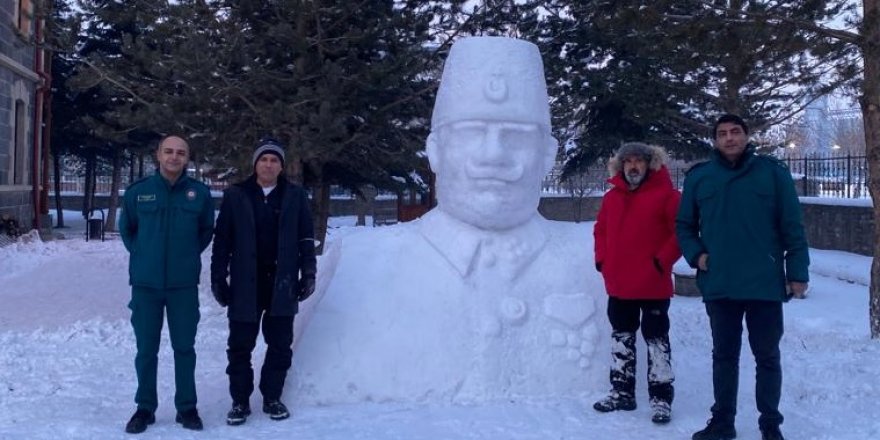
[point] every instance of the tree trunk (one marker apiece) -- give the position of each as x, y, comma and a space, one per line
88, 185
870, 104
321, 213
59, 209
110, 225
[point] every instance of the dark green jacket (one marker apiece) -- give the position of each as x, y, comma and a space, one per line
165, 229
748, 219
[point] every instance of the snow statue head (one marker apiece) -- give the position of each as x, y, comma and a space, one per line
490, 143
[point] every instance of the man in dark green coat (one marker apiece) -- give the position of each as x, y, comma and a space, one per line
167, 221
739, 224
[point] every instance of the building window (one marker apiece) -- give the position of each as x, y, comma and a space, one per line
23, 14
19, 144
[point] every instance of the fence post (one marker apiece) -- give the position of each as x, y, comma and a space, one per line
806, 178
848, 175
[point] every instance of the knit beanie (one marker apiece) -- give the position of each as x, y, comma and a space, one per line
269, 146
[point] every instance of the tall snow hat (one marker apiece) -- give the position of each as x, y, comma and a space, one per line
492, 78
268, 146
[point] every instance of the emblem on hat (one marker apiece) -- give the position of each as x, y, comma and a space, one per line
496, 88
191, 195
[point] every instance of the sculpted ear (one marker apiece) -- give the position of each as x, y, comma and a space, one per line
550, 154
433, 155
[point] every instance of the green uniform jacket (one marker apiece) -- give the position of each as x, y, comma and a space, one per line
165, 229
748, 219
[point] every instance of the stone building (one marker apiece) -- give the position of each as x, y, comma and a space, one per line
22, 98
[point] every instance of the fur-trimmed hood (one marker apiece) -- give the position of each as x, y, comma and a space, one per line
656, 155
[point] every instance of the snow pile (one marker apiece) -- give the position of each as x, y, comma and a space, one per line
67, 351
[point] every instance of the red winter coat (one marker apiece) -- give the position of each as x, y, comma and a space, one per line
633, 229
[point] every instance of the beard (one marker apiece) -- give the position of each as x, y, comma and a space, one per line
635, 178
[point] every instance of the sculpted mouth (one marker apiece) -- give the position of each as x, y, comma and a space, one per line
491, 183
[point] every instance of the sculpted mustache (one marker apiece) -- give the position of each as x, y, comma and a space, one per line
506, 174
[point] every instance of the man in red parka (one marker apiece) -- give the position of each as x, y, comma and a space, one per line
635, 250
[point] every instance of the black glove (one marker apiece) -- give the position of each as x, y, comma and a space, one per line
598, 267
306, 287
220, 289
657, 265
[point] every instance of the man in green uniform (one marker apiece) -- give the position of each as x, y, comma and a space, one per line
167, 221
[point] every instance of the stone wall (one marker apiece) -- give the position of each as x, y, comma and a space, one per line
570, 209
830, 223
844, 227
17, 204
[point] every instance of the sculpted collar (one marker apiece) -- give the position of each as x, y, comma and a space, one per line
467, 247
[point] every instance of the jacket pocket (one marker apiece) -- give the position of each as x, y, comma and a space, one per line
706, 193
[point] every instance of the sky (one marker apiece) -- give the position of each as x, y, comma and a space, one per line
67, 363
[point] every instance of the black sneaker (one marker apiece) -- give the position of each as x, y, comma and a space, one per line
661, 411
238, 414
190, 419
616, 401
275, 409
716, 430
139, 421
771, 433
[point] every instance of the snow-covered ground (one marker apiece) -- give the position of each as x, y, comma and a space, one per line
67, 365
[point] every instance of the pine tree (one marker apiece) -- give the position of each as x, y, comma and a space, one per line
662, 71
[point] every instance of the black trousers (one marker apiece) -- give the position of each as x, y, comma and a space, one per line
765, 323
278, 335
626, 317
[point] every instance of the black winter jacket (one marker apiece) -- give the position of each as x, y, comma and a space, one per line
235, 251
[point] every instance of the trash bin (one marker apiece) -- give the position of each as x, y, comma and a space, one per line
95, 226
96, 229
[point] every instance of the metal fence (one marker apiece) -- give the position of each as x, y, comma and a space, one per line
815, 175
830, 175
593, 182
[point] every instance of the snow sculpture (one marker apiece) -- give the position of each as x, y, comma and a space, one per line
481, 298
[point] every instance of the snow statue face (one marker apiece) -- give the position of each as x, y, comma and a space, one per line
490, 144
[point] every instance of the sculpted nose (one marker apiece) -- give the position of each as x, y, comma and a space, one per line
491, 150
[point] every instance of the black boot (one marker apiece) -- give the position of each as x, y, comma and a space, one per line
275, 409
661, 411
771, 433
622, 374
238, 414
190, 419
716, 430
615, 401
660, 378
139, 421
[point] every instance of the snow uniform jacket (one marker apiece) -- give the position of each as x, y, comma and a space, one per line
235, 250
165, 228
747, 218
633, 229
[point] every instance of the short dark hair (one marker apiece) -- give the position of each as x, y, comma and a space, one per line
731, 119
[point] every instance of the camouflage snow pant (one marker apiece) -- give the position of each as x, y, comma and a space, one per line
626, 316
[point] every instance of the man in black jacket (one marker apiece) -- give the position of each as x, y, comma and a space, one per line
264, 243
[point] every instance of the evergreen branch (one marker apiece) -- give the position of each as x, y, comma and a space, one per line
837, 34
